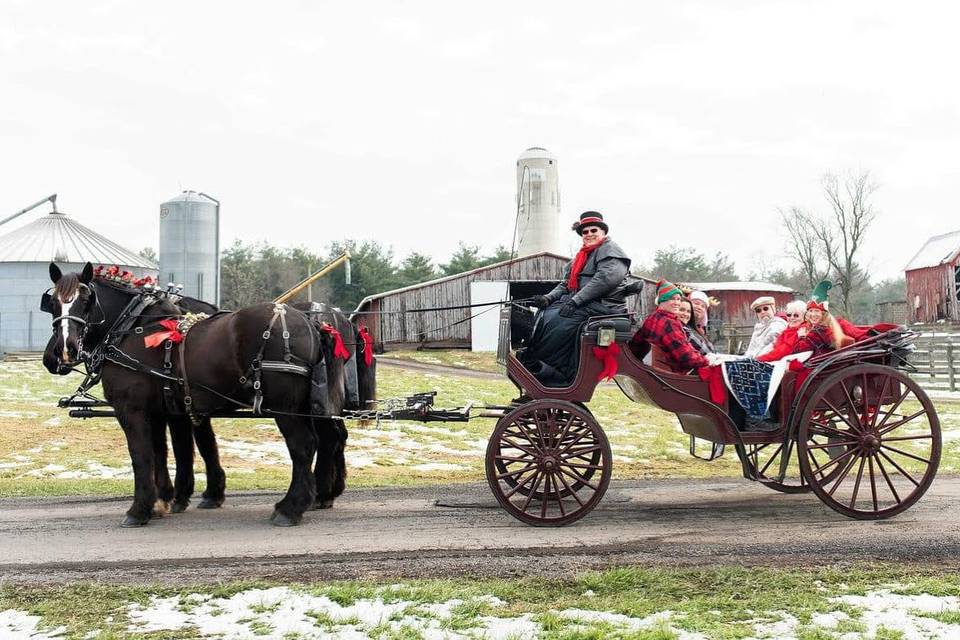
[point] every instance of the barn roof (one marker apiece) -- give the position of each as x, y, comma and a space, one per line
466, 274
938, 250
57, 238
746, 285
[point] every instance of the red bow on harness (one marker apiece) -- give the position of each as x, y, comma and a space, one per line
339, 350
172, 334
367, 346
608, 355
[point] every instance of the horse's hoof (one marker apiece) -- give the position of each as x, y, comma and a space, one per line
280, 520
210, 503
179, 507
323, 504
160, 509
133, 521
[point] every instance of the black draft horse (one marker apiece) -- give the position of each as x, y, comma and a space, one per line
218, 366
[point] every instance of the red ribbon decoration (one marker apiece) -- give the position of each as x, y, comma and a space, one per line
367, 346
339, 350
608, 355
158, 338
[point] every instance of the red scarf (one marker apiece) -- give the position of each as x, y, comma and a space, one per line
579, 261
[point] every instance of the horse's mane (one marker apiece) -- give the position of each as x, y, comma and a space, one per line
67, 286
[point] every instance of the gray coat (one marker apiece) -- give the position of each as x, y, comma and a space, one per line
602, 279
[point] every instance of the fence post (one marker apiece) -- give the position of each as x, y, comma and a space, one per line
950, 372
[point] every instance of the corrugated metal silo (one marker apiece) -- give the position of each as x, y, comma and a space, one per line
190, 244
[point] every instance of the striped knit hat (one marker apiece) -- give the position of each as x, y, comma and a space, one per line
666, 290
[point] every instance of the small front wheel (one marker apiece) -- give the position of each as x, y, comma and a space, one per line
548, 462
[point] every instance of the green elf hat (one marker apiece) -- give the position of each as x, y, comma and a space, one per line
819, 297
666, 290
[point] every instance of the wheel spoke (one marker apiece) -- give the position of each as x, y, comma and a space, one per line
833, 461
899, 468
577, 465
900, 423
578, 478
580, 452
509, 474
546, 495
559, 495
887, 478
514, 459
520, 485
580, 436
840, 415
829, 427
533, 490
856, 486
840, 479
893, 409
883, 392
569, 490
828, 445
922, 437
770, 461
851, 403
873, 484
566, 430
513, 444
904, 453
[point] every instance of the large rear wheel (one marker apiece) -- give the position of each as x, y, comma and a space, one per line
548, 462
885, 435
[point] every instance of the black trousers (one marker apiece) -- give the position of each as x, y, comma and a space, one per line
553, 353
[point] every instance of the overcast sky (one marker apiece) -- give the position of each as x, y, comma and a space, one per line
683, 122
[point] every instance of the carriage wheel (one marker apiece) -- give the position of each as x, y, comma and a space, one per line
891, 448
586, 472
543, 460
766, 459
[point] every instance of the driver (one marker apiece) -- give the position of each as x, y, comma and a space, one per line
594, 284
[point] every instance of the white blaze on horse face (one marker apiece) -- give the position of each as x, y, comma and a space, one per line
65, 307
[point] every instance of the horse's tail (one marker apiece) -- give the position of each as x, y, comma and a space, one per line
366, 368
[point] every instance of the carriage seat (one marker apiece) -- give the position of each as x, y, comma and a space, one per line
621, 324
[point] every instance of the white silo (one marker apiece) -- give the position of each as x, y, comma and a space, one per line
190, 245
538, 197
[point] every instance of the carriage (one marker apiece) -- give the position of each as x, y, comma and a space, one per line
852, 427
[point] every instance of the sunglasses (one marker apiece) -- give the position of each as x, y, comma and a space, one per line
590, 230
794, 315
763, 308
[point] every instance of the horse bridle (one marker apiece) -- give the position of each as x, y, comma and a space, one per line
46, 305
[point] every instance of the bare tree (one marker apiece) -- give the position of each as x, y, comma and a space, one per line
843, 231
828, 246
804, 244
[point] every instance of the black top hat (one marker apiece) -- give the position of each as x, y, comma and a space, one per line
590, 219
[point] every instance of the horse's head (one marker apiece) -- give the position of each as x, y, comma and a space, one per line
72, 301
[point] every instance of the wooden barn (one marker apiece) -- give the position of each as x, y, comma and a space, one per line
392, 327
933, 280
735, 298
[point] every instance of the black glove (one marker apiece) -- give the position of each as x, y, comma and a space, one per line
568, 309
539, 301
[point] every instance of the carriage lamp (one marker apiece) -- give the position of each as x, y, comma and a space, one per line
606, 336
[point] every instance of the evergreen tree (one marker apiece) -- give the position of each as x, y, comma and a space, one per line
414, 269
466, 258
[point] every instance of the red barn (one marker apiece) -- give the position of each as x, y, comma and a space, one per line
735, 299
933, 280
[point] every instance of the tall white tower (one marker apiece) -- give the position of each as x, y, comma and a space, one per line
538, 192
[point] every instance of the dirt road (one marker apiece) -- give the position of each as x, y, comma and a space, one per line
459, 529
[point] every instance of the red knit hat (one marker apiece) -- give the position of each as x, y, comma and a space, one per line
666, 290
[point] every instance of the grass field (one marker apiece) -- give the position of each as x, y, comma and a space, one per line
849, 603
44, 452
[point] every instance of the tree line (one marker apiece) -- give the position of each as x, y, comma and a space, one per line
254, 272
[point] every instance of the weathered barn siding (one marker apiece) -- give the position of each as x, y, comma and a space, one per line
394, 325
931, 293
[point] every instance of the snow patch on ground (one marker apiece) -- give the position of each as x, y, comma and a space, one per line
17, 625
438, 466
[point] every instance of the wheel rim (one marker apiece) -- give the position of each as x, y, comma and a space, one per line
766, 459
889, 436
548, 463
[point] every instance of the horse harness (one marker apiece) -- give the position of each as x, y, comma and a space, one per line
109, 350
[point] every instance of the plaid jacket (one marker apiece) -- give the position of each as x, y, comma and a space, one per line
664, 330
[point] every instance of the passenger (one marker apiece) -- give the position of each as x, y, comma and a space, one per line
687, 319
819, 332
663, 329
701, 311
594, 284
768, 328
787, 339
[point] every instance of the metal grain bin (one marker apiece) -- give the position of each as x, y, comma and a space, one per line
190, 245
